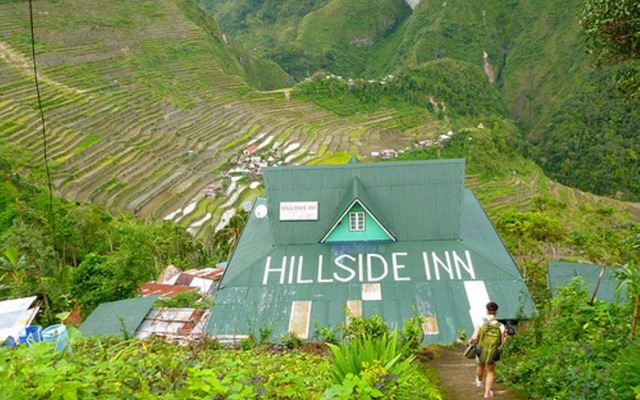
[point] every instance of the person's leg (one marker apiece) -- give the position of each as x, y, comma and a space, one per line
479, 373
491, 369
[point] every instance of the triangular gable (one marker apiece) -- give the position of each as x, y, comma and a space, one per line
357, 199
372, 229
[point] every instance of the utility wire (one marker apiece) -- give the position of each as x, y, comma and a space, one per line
52, 217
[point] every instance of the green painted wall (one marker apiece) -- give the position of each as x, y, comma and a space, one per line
372, 232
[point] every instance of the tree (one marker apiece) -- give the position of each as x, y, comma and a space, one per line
97, 280
613, 34
15, 269
224, 241
526, 235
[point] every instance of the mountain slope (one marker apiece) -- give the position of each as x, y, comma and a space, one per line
532, 50
145, 107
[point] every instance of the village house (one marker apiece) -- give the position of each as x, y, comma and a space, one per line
388, 153
250, 150
395, 239
214, 188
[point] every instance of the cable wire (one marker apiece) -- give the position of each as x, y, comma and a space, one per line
43, 121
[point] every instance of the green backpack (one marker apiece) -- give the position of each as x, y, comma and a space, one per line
489, 342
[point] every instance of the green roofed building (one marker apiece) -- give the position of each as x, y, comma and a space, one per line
393, 238
594, 276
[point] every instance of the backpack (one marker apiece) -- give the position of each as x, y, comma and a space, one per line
489, 342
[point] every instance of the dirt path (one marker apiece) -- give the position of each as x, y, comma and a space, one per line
24, 64
456, 375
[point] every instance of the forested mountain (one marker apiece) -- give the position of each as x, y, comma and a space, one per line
533, 51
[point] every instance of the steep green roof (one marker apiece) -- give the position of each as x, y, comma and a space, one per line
562, 272
417, 200
446, 272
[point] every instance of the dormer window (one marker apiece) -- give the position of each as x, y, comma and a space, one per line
356, 221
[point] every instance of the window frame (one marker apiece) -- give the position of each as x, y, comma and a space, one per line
357, 221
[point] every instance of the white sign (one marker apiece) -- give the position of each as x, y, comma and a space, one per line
367, 268
299, 211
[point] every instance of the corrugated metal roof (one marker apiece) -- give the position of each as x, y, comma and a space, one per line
176, 324
15, 314
164, 290
561, 272
407, 194
117, 317
203, 279
206, 273
447, 279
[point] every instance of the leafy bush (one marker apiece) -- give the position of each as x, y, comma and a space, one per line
327, 335
187, 299
573, 351
374, 327
412, 334
145, 369
376, 367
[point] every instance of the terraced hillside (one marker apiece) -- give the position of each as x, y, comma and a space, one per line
141, 115
146, 112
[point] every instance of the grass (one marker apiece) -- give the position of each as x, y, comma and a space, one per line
88, 142
247, 136
332, 159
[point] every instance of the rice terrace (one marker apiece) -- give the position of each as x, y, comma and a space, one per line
361, 177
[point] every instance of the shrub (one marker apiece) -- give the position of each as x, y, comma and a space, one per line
574, 350
376, 367
375, 327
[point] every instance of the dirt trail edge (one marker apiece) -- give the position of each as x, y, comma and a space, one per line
456, 375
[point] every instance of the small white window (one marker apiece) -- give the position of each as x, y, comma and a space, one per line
356, 221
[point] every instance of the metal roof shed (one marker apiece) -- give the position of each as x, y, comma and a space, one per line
16, 314
442, 258
118, 318
561, 272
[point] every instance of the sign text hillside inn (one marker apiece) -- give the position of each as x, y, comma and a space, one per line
367, 268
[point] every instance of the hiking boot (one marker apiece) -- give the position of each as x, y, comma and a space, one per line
478, 382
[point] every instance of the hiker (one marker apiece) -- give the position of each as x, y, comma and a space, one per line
488, 337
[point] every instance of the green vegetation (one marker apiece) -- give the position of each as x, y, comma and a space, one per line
258, 72
372, 364
594, 127
491, 153
88, 142
535, 54
108, 368
62, 250
241, 139
186, 299
308, 36
612, 29
441, 86
366, 367
575, 350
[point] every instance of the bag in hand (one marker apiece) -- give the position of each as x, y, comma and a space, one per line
470, 351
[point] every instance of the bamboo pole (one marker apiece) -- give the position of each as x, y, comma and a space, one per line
634, 321
595, 291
